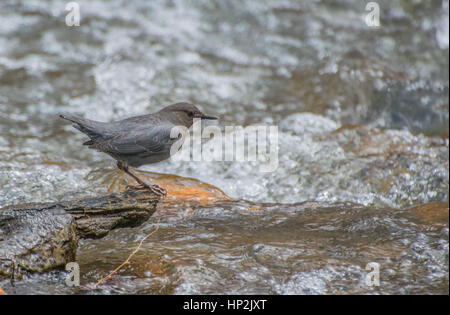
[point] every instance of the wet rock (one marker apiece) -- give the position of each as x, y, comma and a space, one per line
179, 189
35, 239
96, 216
434, 213
40, 237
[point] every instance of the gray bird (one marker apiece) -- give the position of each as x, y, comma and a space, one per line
138, 140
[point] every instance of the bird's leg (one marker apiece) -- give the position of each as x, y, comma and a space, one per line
153, 188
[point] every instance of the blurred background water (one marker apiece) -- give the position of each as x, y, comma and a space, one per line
363, 116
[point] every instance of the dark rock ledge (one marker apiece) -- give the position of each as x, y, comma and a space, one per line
39, 237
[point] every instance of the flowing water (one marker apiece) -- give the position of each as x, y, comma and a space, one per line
362, 115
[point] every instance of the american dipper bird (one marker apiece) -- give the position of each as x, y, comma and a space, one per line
138, 140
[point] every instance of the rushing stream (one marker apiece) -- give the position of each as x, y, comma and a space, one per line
363, 140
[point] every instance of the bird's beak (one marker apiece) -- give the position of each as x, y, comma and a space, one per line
208, 117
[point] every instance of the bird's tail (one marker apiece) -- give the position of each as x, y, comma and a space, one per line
94, 129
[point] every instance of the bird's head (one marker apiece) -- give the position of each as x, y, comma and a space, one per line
184, 113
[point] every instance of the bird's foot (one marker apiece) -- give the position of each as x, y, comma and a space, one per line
158, 190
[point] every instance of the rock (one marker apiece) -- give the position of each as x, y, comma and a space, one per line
96, 216
35, 239
433, 213
41, 237
179, 189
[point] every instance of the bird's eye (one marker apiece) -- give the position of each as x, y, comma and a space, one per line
191, 114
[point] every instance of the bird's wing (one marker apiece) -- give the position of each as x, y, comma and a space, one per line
148, 140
